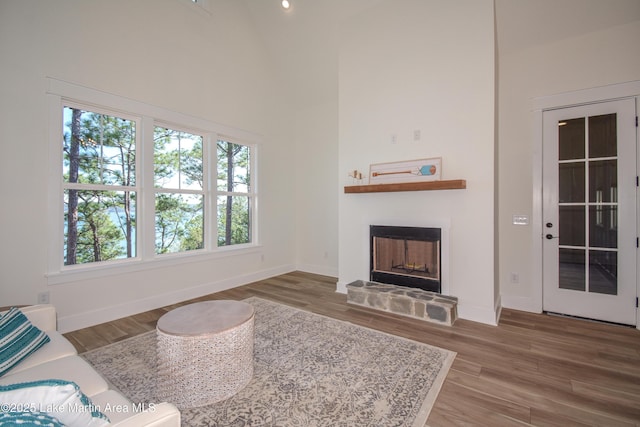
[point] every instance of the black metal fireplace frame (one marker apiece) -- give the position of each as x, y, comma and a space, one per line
406, 233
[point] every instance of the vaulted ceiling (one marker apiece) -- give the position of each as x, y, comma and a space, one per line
303, 41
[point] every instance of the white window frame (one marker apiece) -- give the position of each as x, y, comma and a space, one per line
252, 194
61, 94
206, 185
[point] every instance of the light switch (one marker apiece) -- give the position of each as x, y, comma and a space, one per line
520, 220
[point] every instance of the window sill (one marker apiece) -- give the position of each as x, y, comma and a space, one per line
88, 272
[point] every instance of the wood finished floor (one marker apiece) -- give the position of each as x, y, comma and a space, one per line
532, 369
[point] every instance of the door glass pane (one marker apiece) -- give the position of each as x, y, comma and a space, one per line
572, 269
603, 272
585, 229
571, 186
602, 136
571, 137
603, 227
572, 225
603, 179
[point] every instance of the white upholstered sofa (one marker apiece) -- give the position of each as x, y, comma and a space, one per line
58, 359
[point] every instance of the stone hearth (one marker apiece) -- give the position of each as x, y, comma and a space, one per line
416, 303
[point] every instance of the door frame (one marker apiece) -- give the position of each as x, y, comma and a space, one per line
564, 100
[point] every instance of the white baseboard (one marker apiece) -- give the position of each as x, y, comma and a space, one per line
478, 314
322, 270
341, 287
521, 303
107, 314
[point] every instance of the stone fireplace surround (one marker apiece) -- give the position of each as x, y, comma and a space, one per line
412, 298
416, 303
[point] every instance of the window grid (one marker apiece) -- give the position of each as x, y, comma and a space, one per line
143, 182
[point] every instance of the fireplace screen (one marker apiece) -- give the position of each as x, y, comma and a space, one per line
406, 256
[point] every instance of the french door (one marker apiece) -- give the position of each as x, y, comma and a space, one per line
589, 211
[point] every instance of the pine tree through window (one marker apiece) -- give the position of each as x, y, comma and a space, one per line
137, 183
179, 177
99, 187
234, 190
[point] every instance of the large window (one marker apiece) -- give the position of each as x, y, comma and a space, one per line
136, 183
179, 191
234, 193
99, 190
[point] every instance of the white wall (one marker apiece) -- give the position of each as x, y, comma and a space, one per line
591, 60
425, 66
316, 176
166, 53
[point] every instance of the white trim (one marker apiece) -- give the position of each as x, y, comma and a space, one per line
117, 103
477, 313
55, 204
341, 287
61, 93
107, 314
521, 303
88, 271
252, 195
587, 96
551, 102
536, 217
322, 270
146, 229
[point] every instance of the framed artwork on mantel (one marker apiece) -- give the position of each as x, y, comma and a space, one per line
406, 171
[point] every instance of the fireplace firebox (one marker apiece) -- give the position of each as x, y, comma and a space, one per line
406, 256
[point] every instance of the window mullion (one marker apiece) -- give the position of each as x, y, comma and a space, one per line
209, 154
55, 191
110, 175
253, 196
146, 194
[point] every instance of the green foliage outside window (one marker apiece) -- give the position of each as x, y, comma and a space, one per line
234, 178
101, 192
99, 152
179, 172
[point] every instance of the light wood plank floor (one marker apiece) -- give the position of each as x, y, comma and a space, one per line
532, 369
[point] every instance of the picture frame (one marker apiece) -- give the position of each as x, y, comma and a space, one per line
419, 170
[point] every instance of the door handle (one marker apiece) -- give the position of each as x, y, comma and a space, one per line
549, 237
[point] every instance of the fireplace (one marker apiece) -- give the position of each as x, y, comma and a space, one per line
406, 256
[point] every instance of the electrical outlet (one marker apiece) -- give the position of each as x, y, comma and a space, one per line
416, 135
394, 138
43, 298
515, 277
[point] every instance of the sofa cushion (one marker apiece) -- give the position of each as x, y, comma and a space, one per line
42, 316
115, 406
71, 368
18, 339
58, 398
29, 419
57, 347
122, 412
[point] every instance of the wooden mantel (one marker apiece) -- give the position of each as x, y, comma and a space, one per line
452, 184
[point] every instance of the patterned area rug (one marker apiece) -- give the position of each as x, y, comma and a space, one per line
309, 370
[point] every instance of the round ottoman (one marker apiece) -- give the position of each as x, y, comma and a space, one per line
205, 352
